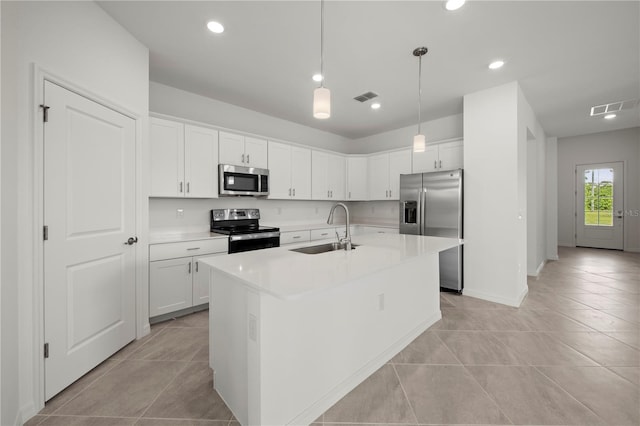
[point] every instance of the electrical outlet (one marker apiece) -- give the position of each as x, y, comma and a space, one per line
180, 213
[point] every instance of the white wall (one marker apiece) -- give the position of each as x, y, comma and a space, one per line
179, 103
449, 127
619, 145
536, 201
80, 43
552, 198
497, 124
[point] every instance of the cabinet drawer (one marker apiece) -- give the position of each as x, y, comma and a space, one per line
380, 230
323, 234
294, 237
187, 248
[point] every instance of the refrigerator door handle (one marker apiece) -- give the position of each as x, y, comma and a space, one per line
421, 211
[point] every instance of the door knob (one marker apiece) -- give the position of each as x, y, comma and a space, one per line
131, 241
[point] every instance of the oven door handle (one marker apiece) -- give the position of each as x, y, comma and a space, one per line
257, 236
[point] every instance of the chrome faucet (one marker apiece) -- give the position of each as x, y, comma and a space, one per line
346, 241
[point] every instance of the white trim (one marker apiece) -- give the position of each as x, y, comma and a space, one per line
539, 269
39, 76
497, 298
328, 400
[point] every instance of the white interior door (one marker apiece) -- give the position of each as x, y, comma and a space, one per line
89, 209
599, 205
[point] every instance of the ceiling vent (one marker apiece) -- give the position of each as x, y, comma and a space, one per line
366, 96
613, 107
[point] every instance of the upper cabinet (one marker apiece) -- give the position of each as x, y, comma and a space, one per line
437, 157
328, 173
384, 174
357, 188
183, 160
289, 172
242, 150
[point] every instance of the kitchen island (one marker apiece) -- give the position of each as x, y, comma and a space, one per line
292, 333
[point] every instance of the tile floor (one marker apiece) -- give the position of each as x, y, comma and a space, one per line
570, 355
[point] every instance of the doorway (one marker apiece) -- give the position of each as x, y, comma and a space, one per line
90, 219
599, 205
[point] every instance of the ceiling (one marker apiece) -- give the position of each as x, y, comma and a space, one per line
567, 56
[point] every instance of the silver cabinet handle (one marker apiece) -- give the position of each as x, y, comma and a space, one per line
440, 163
181, 187
390, 192
196, 266
295, 237
327, 193
349, 194
189, 267
193, 248
332, 193
243, 158
294, 192
435, 164
324, 233
247, 158
188, 185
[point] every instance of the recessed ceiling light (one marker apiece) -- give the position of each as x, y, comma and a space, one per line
496, 64
454, 4
609, 116
375, 105
215, 27
317, 77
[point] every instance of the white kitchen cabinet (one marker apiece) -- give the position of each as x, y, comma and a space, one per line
183, 160
323, 233
440, 156
357, 188
242, 150
384, 174
289, 171
291, 237
177, 283
328, 175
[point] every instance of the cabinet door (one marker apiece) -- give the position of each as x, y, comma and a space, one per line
319, 175
255, 151
379, 177
279, 170
200, 162
337, 176
231, 149
399, 164
201, 280
426, 161
166, 145
300, 173
170, 286
356, 179
451, 155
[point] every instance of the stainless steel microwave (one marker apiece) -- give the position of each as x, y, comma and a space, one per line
238, 180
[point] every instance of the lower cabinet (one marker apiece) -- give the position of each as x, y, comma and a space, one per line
178, 283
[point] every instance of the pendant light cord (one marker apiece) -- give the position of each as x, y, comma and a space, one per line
419, 91
322, 42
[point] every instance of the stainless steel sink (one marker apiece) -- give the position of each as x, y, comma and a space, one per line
322, 248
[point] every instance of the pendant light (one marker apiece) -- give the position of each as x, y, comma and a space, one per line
322, 95
419, 140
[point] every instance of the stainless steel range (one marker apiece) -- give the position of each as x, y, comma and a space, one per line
243, 229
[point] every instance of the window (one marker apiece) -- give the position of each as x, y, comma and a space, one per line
598, 197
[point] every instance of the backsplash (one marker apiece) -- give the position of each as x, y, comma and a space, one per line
168, 215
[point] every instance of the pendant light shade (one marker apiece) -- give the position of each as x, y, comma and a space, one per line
419, 141
322, 103
322, 95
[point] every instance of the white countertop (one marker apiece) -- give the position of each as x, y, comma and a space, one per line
290, 275
176, 237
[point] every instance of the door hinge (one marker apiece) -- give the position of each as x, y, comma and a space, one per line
45, 232
45, 113
46, 350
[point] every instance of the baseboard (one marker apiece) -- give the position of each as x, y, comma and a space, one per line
633, 250
515, 302
336, 394
540, 267
553, 257
25, 413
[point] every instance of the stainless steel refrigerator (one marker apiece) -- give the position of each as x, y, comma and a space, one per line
431, 204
